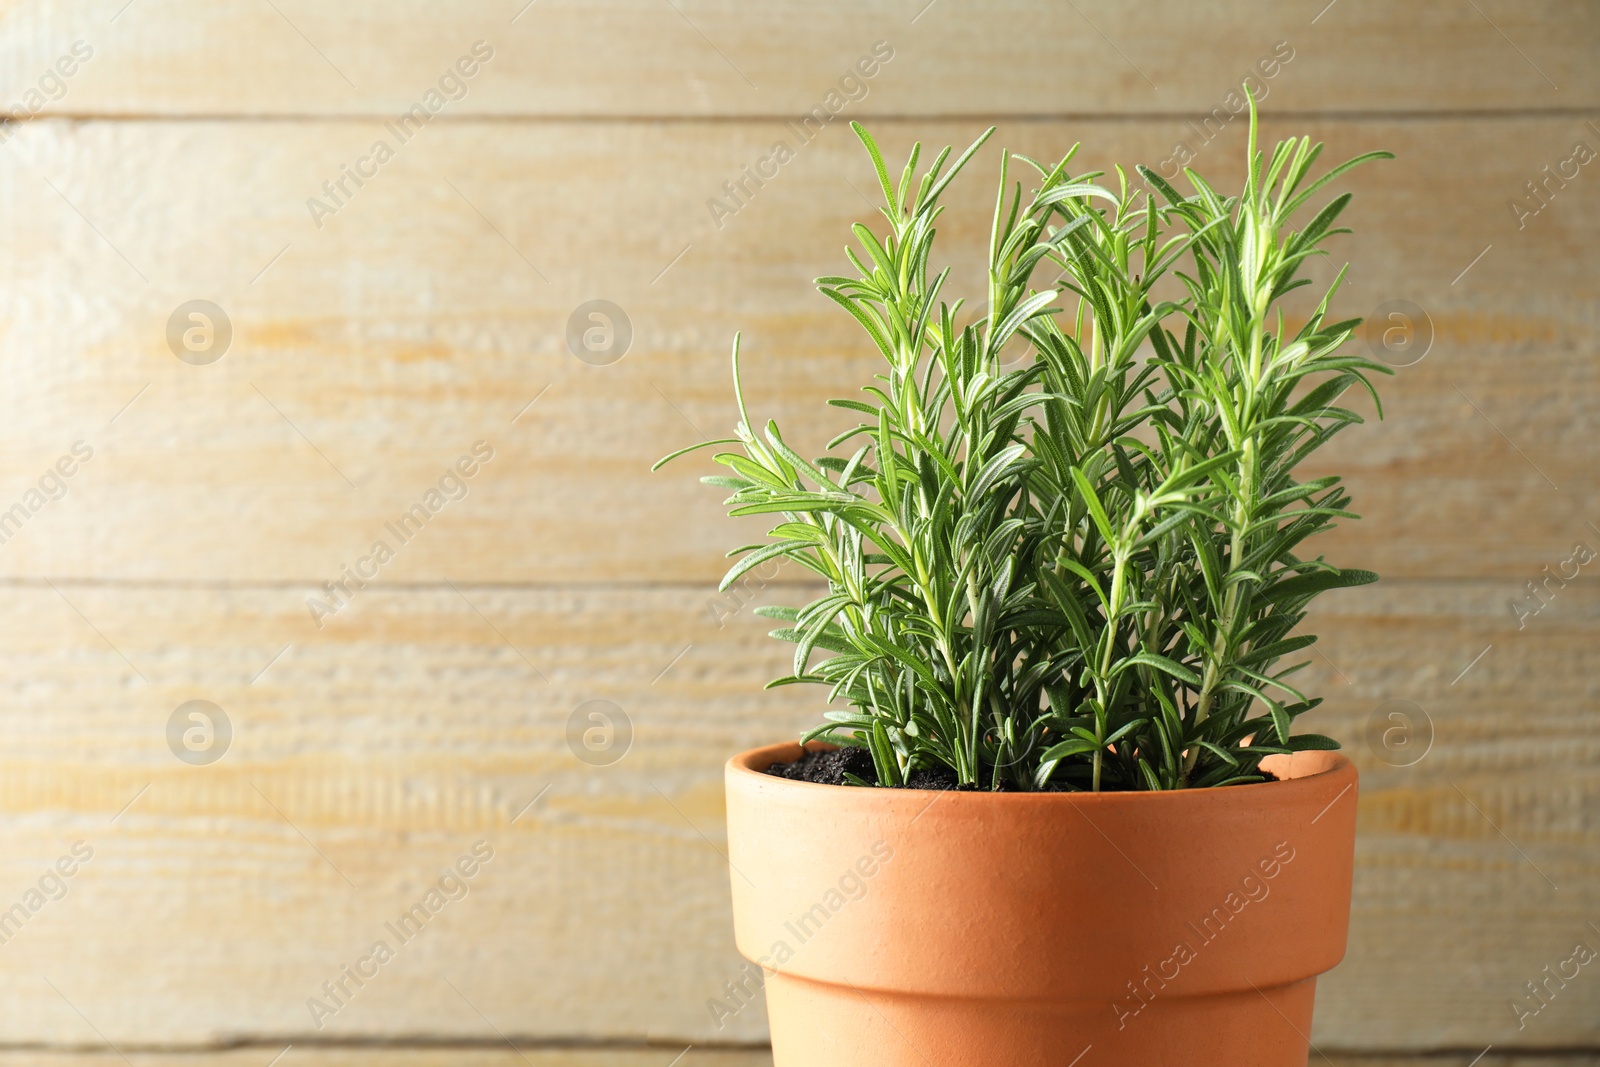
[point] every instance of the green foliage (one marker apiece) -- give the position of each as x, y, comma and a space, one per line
1083, 571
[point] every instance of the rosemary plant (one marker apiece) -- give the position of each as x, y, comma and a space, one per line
1082, 571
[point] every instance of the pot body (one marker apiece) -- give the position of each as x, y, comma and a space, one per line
945, 929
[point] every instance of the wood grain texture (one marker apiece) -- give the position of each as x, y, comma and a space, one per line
254, 879
643, 58
377, 750
433, 309
378, 743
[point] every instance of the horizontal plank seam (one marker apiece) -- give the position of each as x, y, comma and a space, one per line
1358, 115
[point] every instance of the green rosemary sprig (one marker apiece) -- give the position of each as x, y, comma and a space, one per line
1083, 571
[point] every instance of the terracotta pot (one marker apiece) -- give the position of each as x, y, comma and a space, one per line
944, 929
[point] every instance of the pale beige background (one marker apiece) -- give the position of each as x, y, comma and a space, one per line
369, 353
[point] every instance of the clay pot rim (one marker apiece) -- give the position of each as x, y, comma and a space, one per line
1319, 769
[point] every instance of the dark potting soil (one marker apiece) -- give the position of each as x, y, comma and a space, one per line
830, 767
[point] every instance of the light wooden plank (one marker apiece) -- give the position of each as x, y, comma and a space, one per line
257, 877
717, 58
432, 310
1476, 863
385, 745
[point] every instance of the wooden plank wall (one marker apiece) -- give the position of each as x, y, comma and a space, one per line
373, 345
